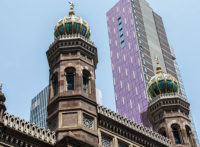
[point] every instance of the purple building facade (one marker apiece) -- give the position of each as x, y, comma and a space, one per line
129, 85
136, 37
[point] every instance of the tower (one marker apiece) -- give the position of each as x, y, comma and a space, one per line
137, 35
168, 111
72, 107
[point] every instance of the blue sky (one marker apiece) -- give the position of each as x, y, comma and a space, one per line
26, 31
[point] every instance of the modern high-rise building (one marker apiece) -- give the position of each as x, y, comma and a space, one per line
137, 36
38, 113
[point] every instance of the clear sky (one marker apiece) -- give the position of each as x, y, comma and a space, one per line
26, 31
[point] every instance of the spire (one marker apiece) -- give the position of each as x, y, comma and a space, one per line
158, 67
71, 12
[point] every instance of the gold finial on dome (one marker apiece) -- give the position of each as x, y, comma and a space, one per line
158, 68
71, 12
162, 83
72, 25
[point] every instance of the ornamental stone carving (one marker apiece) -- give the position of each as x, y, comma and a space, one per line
30, 129
88, 122
133, 125
106, 141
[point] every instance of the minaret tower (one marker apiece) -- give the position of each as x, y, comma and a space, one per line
72, 108
168, 111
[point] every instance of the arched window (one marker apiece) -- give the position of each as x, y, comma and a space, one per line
70, 78
189, 136
177, 134
162, 132
55, 84
86, 81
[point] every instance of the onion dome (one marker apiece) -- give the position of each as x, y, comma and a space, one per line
162, 83
72, 25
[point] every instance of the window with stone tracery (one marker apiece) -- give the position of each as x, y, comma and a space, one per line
106, 141
88, 121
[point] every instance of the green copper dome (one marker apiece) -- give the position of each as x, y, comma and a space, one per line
72, 25
162, 83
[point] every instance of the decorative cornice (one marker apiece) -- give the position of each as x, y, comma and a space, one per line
168, 95
74, 36
134, 126
13, 140
29, 129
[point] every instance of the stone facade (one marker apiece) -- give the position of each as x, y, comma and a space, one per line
118, 128
169, 111
16, 132
74, 108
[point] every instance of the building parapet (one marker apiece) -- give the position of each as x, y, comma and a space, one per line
168, 95
132, 125
73, 36
29, 129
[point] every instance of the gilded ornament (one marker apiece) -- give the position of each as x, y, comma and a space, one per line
162, 83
